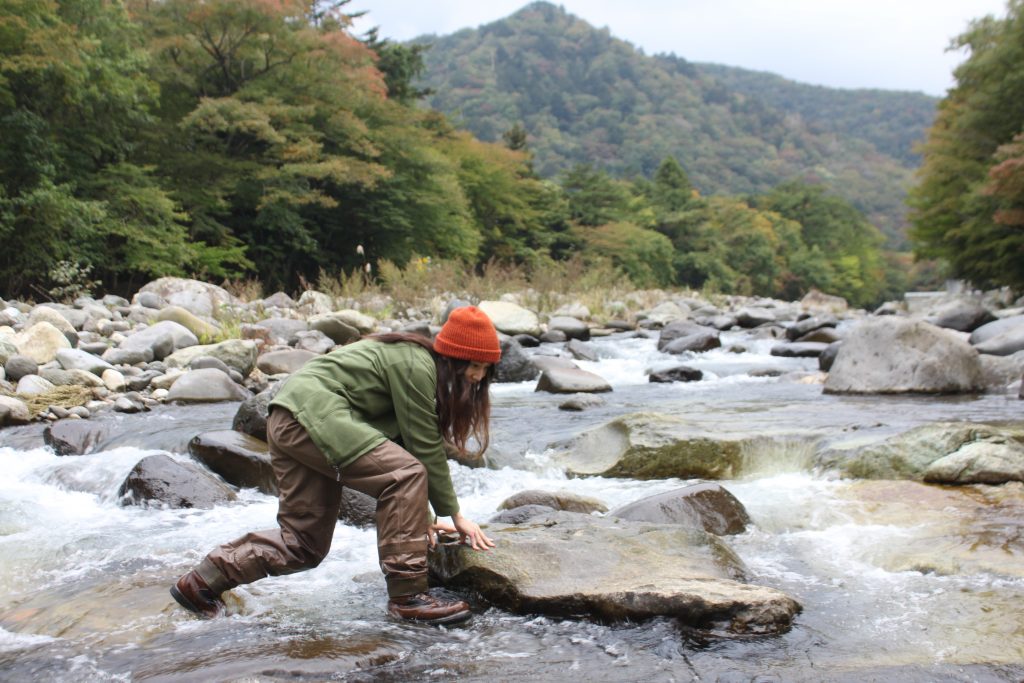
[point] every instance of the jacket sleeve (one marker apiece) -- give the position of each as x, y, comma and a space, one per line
413, 387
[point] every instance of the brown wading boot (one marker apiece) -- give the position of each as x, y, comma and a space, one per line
192, 593
428, 609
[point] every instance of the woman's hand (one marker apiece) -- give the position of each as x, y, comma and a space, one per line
471, 531
439, 527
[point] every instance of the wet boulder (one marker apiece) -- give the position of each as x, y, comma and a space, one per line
581, 402
557, 380
682, 336
208, 385
947, 453
514, 365
581, 350
680, 373
242, 460
357, 509
895, 355
650, 446
555, 500
571, 565
76, 437
962, 315
701, 506
802, 328
799, 350
251, 417
160, 480
571, 327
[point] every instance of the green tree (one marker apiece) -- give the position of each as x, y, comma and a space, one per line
964, 203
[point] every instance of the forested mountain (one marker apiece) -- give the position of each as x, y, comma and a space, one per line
584, 96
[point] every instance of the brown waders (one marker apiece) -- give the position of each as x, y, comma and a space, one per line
309, 491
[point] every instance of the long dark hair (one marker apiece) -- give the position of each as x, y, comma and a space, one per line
463, 408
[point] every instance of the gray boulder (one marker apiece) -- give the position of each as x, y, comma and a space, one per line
7, 349
754, 316
242, 460
251, 417
34, 385
963, 315
554, 500
119, 356
281, 331
160, 480
950, 453
804, 327
701, 506
996, 328
799, 350
239, 354
581, 402
1005, 343
284, 362
18, 366
511, 318
357, 509
571, 381
200, 298
13, 411
162, 339
514, 365
683, 335
894, 355
208, 385
519, 515
827, 358
75, 359
76, 437
582, 350
335, 328
567, 564
314, 341
571, 327
41, 342
680, 373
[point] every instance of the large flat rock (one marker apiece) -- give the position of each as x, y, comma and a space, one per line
569, 564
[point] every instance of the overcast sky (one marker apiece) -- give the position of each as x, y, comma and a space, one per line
890, 44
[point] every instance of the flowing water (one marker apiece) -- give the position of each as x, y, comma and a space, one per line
83, 581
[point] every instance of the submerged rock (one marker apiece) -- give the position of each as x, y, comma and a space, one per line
162, 480
75, 437
567, 564
701, 506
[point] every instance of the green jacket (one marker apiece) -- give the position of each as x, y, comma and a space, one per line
357, 397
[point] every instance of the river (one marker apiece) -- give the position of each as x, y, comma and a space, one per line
84, 582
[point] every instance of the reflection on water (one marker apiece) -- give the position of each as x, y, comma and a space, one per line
898, 581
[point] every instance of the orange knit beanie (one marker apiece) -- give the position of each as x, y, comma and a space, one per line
469, 335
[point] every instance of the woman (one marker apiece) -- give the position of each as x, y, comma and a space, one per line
374, 416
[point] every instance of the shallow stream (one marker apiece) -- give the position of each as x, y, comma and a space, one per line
83, 581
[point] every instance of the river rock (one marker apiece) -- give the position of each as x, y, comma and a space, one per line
7, 349
205, 386
364, 323
75, 437
239, 354
567, 564
701, 506
357, 509
815, 300
572, 327
314, 341
514, 365
695, 337
284, 362
804, 327
202, 329
511, 318
571, 381
114, 380
51, 315
519, 515
313, 303
335, 328
581, 402
251, 417
552, 337
18, 366
34, 385
554, 500
680, 373
13, 411
199, 298
281, 331
160, 480
279, 300
912, 454
160, 339
649, 446
582, 350
963, 315
1001, 371
1005, 343
894, 355
665, 313
753, 316
75, 359
995, 328
119, 356
41, 342
242, 460
799, 350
